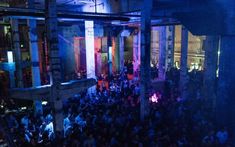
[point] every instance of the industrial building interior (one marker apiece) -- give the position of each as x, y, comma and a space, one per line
117, 73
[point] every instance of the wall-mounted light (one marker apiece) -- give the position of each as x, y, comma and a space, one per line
10, 56
44, 103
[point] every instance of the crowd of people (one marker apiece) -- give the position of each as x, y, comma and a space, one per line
111, 117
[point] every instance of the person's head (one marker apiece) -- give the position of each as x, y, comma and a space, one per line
49, 118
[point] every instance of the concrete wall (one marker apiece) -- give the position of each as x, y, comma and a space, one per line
66, 46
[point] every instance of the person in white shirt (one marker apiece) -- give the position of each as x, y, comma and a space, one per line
25, 121
67, 124
80, 121
49, 127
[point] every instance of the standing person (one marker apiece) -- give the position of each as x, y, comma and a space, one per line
49, 127
67, 125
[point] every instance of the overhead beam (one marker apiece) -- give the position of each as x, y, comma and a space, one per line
36, 93
67, 90
24, 13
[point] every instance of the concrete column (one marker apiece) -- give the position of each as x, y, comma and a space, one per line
99, 63
90, 52
162, 53
110, 60
90, 49
17, 52
99, 33
210, 64
225, 102
98, 56
116, 55
145, 58
121, 52
34, 54
170, 47
55, 64
139, 51
12, 75
136, 48
183, 62
82, 53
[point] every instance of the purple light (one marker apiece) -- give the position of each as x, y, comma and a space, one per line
154, 98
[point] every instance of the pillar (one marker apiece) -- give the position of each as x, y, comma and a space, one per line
121, 52
170, 49
110, 67
82, 47
139, 51
16, 45
34, 54
45, 57
10, 67
116, 55
98, 55
210, 64
145, 58
225, 101
90, 52
12, 75
35, 69
183, 62
162, 52
55, 64
136, 48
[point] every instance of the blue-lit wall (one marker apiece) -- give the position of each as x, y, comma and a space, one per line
66, 46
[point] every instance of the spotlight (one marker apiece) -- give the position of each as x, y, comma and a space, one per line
44, 103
